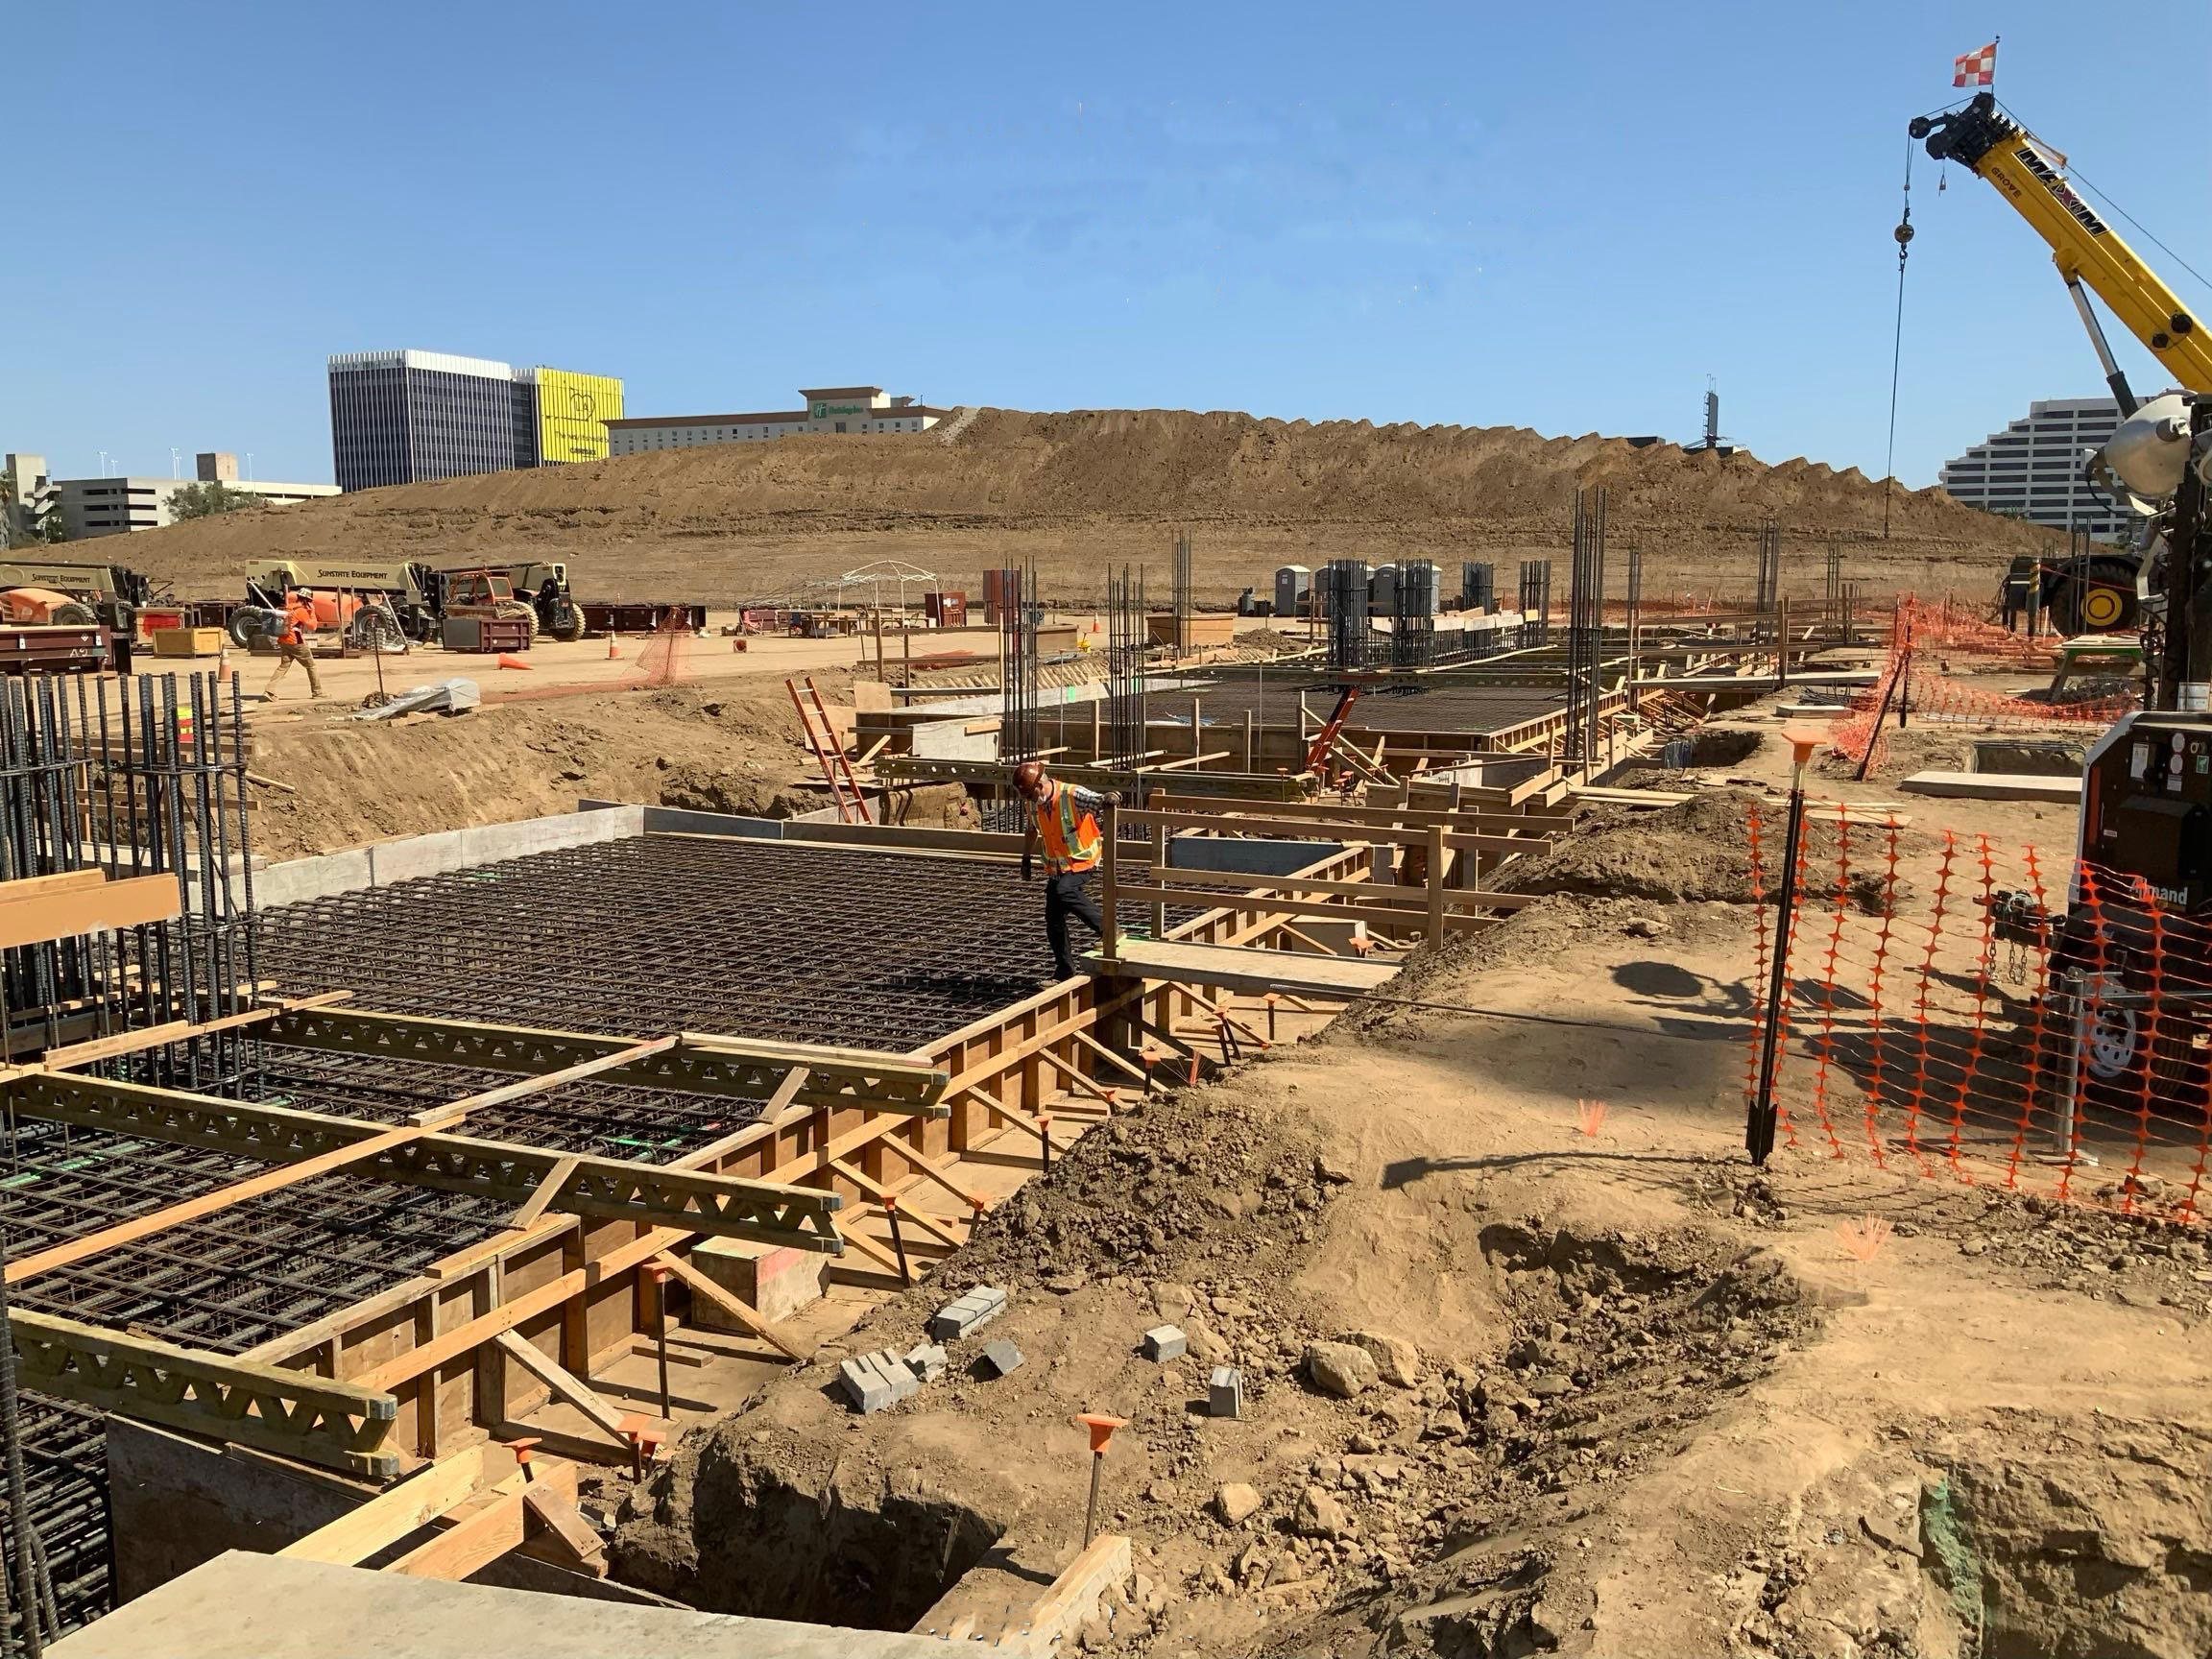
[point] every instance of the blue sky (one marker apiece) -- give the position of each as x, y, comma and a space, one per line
1563, 217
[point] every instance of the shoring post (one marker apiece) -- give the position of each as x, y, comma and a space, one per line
1110, 938
1759, 1128
897, 1239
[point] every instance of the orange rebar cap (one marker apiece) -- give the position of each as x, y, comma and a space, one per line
1102, 1429
1802, 741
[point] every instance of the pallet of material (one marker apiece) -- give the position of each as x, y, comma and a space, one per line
187, 641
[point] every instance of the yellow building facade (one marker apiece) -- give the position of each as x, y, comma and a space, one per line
572, 415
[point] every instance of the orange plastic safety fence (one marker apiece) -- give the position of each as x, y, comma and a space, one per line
1912, 687
1977, 1026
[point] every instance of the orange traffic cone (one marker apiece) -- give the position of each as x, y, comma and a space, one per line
613, 650
507, 661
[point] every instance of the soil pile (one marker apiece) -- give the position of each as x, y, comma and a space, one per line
1076, 490
1696, 851
734, 748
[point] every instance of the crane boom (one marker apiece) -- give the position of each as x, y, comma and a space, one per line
2032, 177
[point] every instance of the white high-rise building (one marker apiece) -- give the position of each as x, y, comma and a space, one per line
2033, 469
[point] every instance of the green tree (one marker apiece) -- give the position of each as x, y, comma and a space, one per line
204, 500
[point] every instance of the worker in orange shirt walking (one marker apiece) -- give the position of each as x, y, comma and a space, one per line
1065, 819
292, 644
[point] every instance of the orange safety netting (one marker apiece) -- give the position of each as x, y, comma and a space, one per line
1914, 689
1947, 1013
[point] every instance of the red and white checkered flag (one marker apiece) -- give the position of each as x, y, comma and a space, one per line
1976, 68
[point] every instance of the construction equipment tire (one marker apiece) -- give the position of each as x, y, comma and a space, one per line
249, 623
376, 629
517, 610
569, 624
2103, 602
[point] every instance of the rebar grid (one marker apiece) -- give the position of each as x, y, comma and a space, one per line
66, 1459
1183, 590
1019, 614
1343, 585
604, 1119
230, 1280
1535, 602
1414, 615
1585, 627
134, 778
1126, 644
640, 937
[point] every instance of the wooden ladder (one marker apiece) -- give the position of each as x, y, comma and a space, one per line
828, 754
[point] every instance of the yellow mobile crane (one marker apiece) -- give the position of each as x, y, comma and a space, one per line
2090, 254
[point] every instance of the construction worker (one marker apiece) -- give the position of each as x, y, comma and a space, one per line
292, 644
1065, 818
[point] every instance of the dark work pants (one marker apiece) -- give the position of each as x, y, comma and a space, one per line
1065, 896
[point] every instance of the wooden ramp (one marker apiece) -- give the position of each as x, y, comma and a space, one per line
1235, 967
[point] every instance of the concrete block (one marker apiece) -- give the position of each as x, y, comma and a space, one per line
867, 1387
1225, 1392
1164, 1342
927, 1362
965, 1314
775, 1280
1002, 1359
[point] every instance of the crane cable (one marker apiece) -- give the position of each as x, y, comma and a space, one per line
1904, 235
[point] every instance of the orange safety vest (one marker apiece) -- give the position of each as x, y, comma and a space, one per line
1069, 832
299, 621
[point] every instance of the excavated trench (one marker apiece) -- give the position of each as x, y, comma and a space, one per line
753, 1535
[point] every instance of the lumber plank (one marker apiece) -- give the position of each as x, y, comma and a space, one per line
876, 1188
734, 1307
1263, 903
177, 1031
564, 1530
1382, 891
565, 1385
544, 1080
37, 919
61, 881
482, 1535
391, 1515
451, 1345
535, 1203
932, 1172
206, 1204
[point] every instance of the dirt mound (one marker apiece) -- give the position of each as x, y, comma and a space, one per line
1699, 849
1077, 490
733, 749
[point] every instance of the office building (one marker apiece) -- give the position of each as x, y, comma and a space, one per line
854, 411
407, 417
2033, 469
116, 506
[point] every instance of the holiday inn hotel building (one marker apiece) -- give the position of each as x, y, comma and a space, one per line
851, 409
